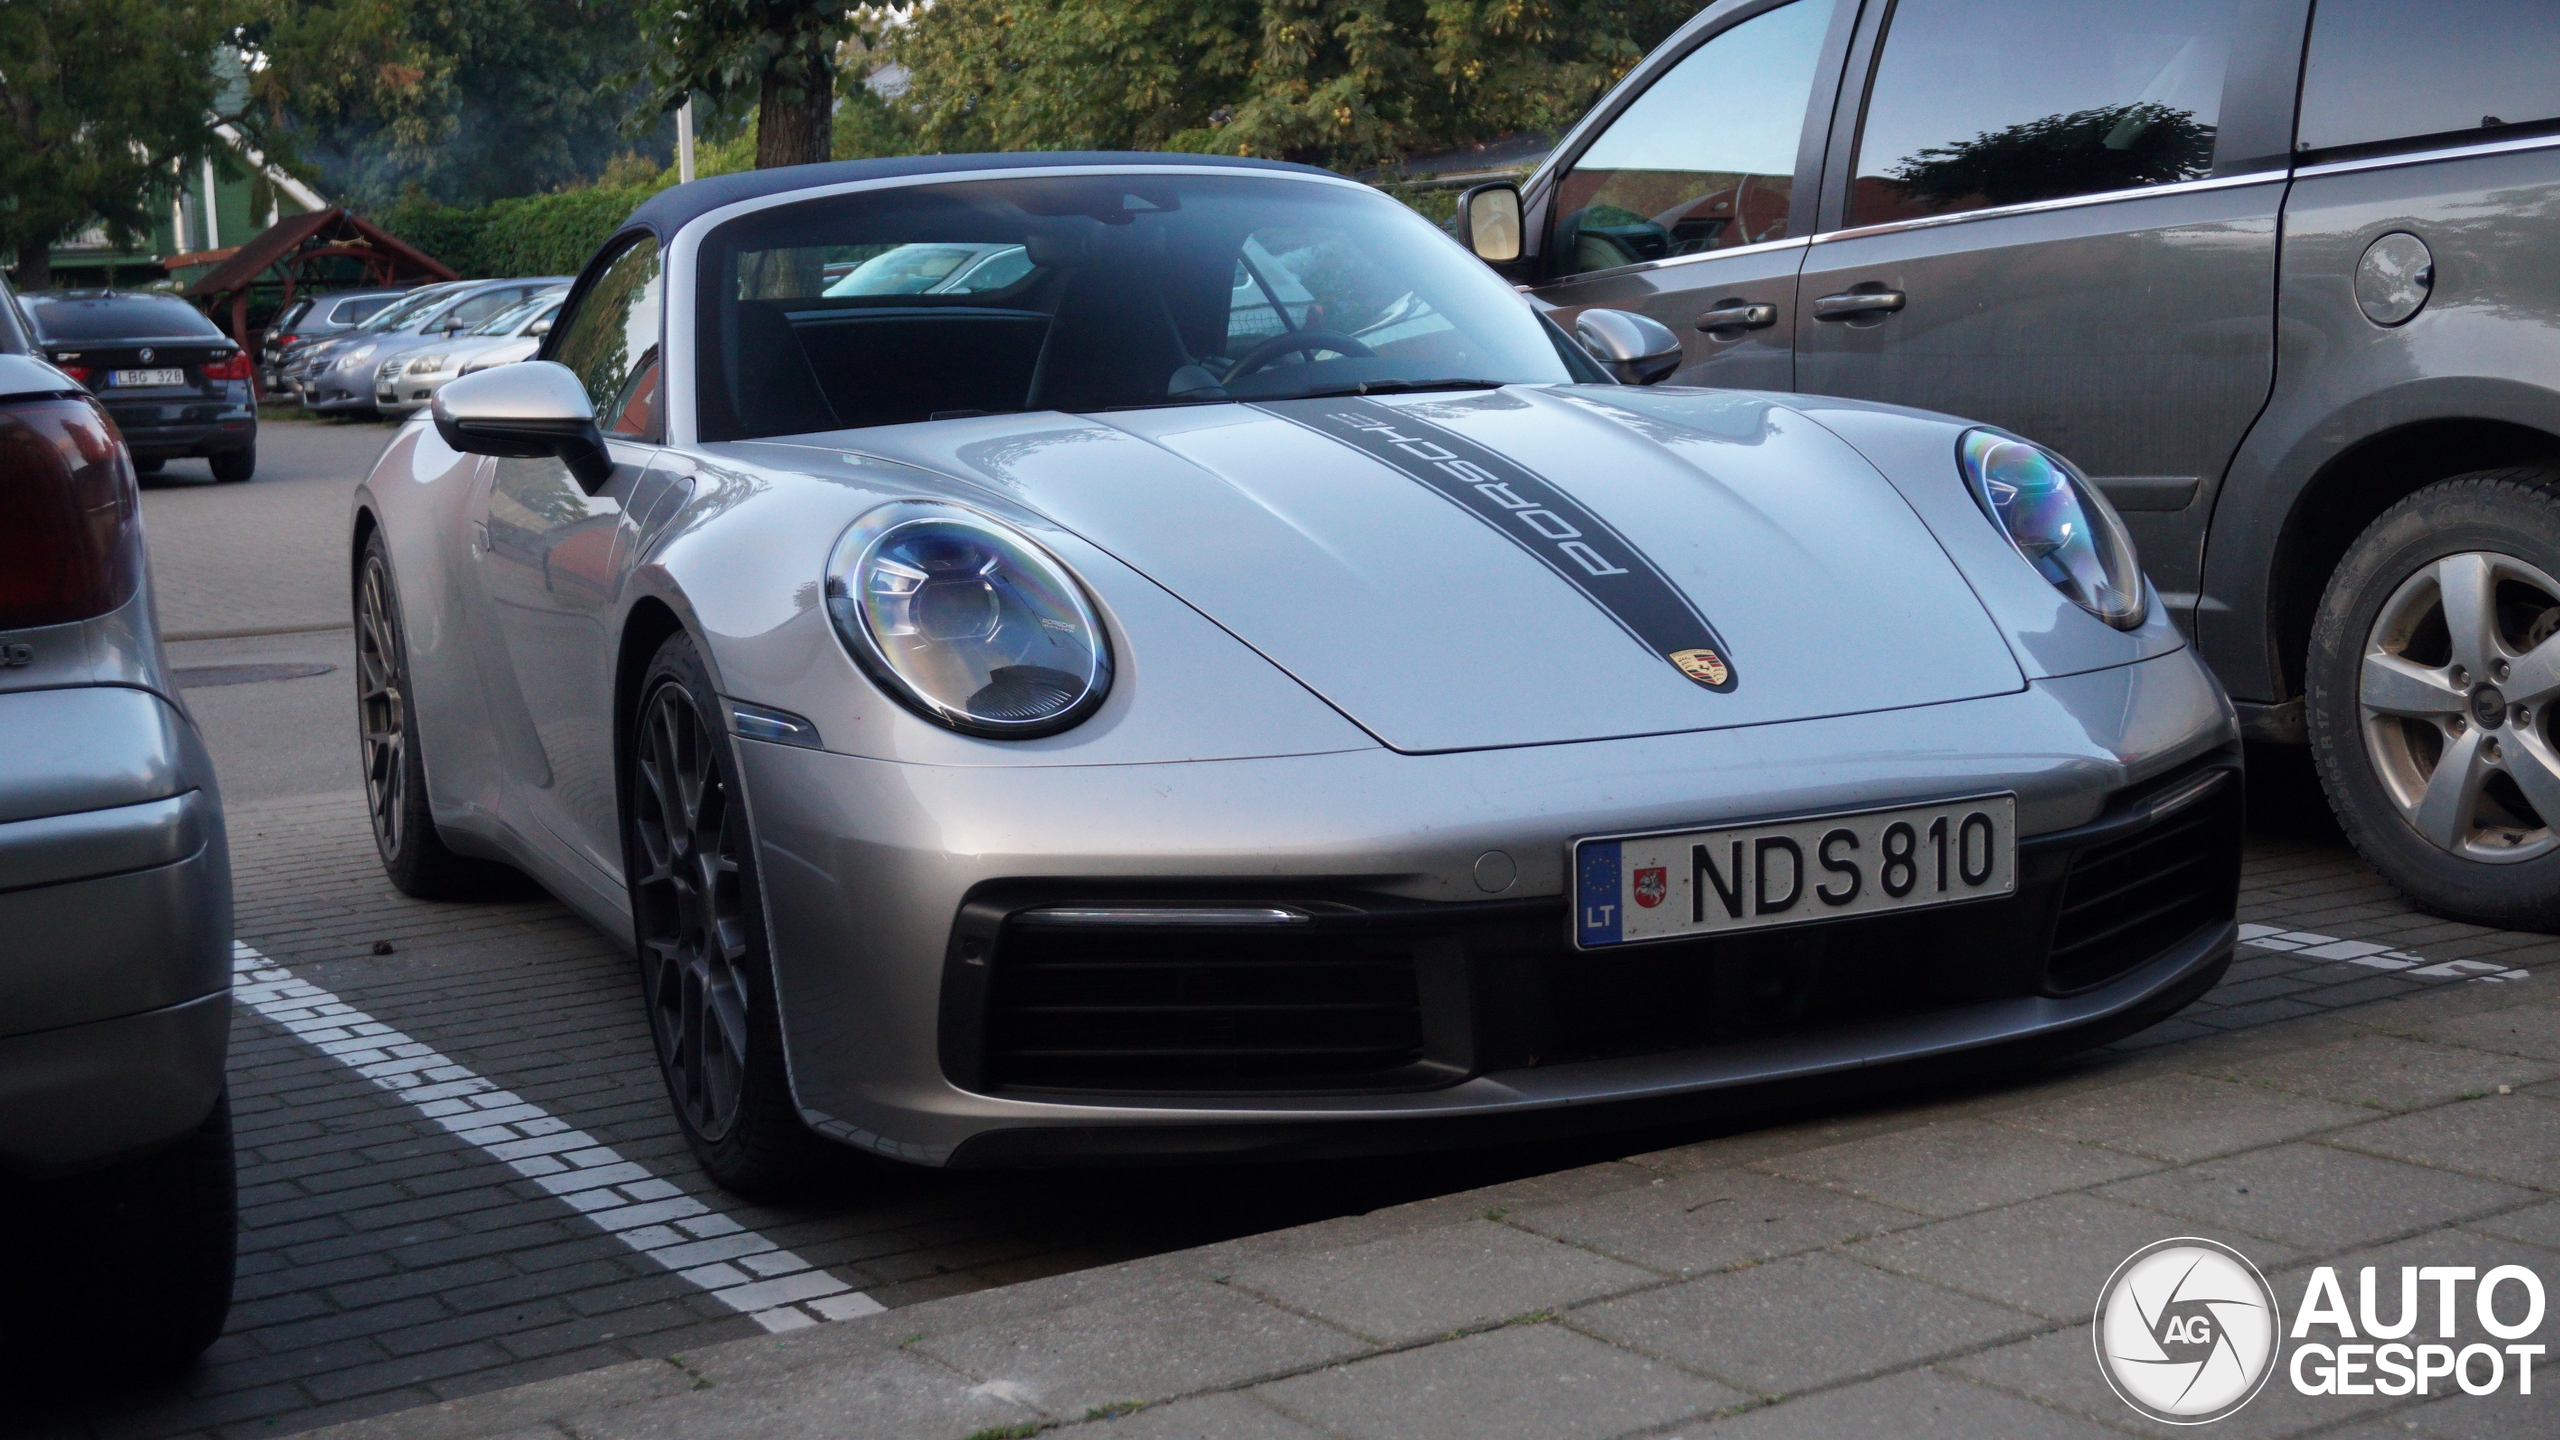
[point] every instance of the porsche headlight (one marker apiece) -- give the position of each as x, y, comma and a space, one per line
2058, 521
967, 621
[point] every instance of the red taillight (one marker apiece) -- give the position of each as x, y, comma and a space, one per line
70, 520
80, 373
234, 366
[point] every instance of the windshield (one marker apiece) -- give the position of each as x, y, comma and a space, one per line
119, 317
506, 321
407, 308
1079, 292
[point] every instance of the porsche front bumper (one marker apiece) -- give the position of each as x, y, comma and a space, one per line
894, 894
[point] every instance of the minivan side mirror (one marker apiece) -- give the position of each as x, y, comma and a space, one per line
525, 411
1634, 349
1489, 222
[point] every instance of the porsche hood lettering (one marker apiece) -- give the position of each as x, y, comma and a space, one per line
1581, 548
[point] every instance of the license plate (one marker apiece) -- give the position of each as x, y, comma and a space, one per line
1685, 883
146, 377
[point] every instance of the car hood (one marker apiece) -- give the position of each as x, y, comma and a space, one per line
1524, 566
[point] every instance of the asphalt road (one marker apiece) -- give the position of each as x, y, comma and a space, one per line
398, 1247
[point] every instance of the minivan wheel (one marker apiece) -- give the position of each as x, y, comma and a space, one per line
413, 854
2434, 676
698, 915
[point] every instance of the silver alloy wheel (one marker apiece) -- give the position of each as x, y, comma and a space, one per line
2459, 672
692, 917
379, 715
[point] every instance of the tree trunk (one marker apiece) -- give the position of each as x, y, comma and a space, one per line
795, 121
35, 268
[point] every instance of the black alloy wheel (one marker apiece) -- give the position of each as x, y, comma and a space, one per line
2434, 688
697, 917
413, 854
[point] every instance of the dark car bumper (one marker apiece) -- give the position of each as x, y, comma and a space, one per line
160, 429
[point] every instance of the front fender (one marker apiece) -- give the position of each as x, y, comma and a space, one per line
2261, 504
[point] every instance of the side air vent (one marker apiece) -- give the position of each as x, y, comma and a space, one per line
2132, 897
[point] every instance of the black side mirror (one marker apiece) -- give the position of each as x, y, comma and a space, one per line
525, 411
1635, 349
1488, 221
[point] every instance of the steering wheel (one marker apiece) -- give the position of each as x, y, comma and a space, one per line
1292, 341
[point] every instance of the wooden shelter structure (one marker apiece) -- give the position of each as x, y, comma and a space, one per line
317, 250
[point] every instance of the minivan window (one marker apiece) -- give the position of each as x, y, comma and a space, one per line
1977, 103
1705, 159
350, 312
2373, 76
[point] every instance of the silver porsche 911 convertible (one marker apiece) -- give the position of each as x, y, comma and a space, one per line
1080, 656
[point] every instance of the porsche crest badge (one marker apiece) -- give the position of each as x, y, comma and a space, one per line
1704, 666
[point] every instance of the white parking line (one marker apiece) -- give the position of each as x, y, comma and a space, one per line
741, 1269
2366, 953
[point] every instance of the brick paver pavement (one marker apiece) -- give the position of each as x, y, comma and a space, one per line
389, 1263
1925, 1268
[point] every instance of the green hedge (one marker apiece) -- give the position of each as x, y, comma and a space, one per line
532, 235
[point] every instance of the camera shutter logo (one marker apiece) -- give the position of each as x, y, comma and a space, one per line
2186, 1331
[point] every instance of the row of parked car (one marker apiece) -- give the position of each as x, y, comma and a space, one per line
389, 351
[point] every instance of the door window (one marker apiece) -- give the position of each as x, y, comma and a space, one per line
479, 307
1979, 103
2378, 72
611, 343
1705, 159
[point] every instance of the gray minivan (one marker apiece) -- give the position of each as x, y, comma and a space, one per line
2281, 277
116, 1175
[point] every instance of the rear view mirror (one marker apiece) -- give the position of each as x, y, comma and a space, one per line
539, 327
1635, 349
526, 411
1489, 222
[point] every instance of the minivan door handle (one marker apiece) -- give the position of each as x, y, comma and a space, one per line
1852, 303
1739, 317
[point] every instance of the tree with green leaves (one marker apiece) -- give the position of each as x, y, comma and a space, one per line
462, 101
1343, 83
781, 55
101, 103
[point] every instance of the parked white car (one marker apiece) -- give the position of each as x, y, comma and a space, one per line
405, 383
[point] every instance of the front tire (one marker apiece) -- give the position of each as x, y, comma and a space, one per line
413, 854
2434, 680
697, 911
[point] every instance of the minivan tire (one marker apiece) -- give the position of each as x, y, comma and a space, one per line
2379, 769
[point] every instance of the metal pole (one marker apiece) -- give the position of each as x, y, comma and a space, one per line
212, 210
684, 141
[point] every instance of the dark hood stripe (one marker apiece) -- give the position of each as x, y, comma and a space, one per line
1558, 530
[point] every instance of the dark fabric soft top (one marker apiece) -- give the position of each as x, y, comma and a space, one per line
668, 210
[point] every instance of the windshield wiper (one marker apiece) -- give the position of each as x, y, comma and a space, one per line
1393, 387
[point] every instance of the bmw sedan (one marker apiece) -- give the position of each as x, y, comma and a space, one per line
1246, 681
176, 385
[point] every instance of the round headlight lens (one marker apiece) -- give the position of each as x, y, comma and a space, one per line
967, 621
2058, 522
